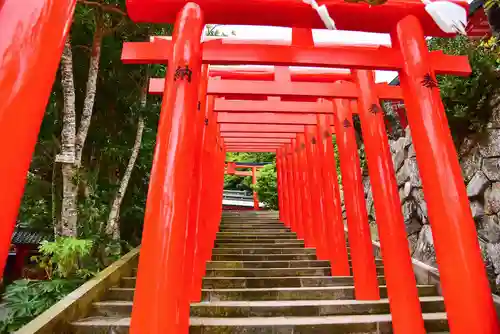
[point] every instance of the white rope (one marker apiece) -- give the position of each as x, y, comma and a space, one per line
323, 14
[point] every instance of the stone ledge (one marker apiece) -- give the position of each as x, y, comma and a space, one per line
429, 275
78, 303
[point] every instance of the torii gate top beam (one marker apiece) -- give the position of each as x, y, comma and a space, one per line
220, 52
288, 13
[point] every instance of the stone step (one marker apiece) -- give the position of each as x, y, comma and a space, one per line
252, 244
250, 230
282, 308
246, 251
278, 282
267, 264
375, 323
302, 308
257, 233
255, 237
261, 241
273, 264
268, 272
261, 257
312, 293
221, 282
254, 226
274, 272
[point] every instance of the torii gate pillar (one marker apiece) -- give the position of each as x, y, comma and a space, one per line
464, 283
157, 307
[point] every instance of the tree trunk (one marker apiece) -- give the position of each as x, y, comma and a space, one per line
69, 213
113, 226
88, 104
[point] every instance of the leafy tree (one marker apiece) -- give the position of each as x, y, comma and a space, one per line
267, 187
469, 101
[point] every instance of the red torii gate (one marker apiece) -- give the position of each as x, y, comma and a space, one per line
184, 139
417, 69
231, 170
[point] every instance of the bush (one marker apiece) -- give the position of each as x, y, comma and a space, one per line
67, 264
267, 188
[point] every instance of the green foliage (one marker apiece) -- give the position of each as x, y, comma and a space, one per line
233, 182
267, 188
26, 299
469, 101
65, 257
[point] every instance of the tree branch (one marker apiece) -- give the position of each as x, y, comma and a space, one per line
104, 7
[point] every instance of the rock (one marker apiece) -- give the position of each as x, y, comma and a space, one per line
491, 168
418, 195
413, 226
398, 159
477, 209
466, 146
407, 189
411, 152
409, 209
493, 251
414, 173
494, 121
492, 199
424, 250
477, 184
490, 145
471, 163
489, 228
399, 145
403, 174
412, 243
402, 196
408, 139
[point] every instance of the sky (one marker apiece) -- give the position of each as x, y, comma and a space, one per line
319, 35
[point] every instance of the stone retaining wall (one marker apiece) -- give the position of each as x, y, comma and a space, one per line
480, 160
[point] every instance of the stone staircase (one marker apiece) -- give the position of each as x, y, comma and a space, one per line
262, 280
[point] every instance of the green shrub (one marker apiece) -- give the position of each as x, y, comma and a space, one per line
266, 186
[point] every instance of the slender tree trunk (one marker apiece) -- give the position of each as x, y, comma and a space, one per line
113, 226
69, 213
88, 104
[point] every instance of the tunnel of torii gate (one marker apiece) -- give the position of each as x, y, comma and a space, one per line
206, 113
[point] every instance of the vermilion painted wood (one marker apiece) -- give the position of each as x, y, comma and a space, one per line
337, 250
251, 150
220, 52
273, 106
329, 75
158, 308
280, 179
296, 193
32, 34
255, 196
290, 183
398, 270
250, 88
256, 140
316, 192
464, 283
262, 128
363, 263
203, 248
265, 118
257, 135
304, 191
347, 16
194, 220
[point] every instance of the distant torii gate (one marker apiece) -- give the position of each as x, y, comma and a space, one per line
231, 170
188, 138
